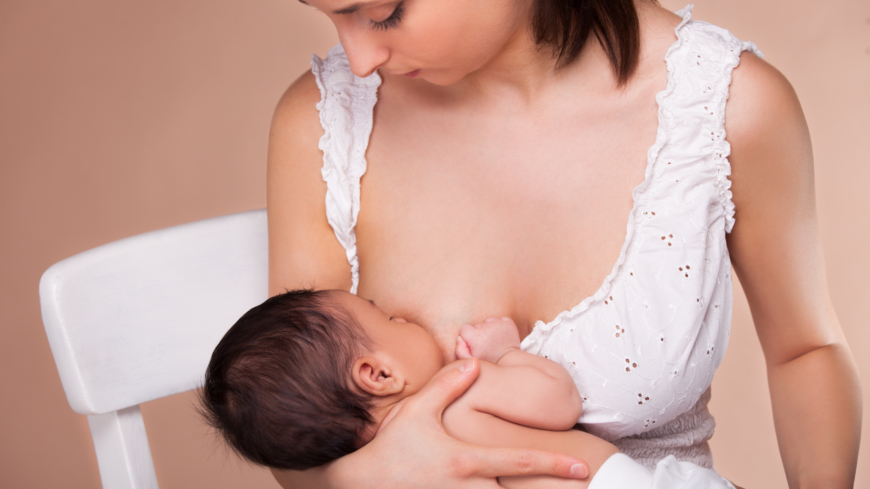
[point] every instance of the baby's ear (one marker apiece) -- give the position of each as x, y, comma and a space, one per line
373, 374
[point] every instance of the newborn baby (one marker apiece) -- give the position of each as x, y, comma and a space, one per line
310, 376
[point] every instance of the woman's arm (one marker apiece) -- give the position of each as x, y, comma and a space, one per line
414, 451
303, 250
776, 252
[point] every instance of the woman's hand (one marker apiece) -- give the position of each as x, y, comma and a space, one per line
414, 451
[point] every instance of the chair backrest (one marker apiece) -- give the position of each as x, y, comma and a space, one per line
137, 319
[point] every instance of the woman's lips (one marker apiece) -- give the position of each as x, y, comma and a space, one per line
413, 74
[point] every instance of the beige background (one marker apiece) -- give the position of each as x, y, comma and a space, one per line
118, 118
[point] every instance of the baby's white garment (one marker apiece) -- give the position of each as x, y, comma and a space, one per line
621, 472
644, 347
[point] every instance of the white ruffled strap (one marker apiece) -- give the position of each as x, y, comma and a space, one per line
346, 113
720, 83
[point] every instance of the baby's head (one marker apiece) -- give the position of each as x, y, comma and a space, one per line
307, 377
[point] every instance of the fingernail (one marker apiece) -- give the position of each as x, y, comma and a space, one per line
466, 365
579, 471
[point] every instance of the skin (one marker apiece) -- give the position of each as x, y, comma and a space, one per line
487, 195
492, 412
405, 357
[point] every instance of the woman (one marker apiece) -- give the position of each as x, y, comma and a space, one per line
505, 145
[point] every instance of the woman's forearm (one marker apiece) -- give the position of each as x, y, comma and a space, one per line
817, 405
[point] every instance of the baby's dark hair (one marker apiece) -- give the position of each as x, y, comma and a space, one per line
278, 386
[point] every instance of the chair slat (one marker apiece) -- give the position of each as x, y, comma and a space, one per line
137, 319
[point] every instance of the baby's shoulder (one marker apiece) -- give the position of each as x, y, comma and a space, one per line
465, 402
461, 419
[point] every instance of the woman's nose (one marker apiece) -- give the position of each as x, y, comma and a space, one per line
364, 54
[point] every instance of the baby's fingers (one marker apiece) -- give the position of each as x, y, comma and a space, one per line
462, 349
506, 462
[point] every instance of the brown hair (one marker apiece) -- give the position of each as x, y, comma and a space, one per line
566, 25
278, 384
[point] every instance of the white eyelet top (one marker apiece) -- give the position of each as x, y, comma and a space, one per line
644, 347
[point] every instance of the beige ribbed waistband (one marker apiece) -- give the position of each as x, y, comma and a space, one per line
685, 438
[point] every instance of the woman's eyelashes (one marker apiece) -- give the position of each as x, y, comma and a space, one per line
391, 21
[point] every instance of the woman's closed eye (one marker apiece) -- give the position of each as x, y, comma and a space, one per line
391, 21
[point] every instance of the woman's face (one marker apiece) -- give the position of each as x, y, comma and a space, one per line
440, 41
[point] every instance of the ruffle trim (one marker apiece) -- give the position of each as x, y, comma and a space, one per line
346, 113
722, 149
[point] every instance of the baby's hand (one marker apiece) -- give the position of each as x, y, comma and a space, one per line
489, 340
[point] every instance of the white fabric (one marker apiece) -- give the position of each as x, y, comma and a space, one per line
644, 347
346, 112
621, 472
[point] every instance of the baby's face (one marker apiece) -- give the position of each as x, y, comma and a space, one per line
412, 349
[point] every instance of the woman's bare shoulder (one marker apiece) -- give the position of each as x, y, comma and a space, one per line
296, 119
761, 101
771, 151
294, 156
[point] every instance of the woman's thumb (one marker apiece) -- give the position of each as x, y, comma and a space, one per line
447, 385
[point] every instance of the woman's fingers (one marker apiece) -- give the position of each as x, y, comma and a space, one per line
414, 447
505, 462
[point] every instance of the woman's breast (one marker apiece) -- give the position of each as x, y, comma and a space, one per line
456, 245
644, 347
465, 216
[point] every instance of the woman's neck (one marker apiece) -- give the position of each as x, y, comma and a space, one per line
520, 69
524, 73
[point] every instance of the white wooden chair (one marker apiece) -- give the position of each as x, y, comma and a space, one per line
137, 319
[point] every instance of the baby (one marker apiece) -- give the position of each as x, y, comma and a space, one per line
310, 376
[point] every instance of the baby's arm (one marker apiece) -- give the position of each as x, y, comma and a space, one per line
514, 385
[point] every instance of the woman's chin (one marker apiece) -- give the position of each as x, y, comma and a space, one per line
435, 77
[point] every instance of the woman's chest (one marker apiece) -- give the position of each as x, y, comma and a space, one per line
468, 218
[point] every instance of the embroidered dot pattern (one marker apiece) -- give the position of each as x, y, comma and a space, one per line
641, 398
